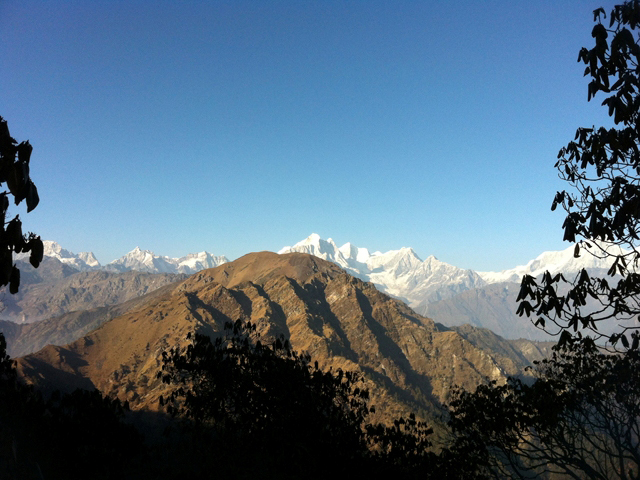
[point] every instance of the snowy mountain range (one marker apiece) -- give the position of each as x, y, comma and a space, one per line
147, 261
136, 259
553, 262
400, 273
403, 274
433, 288
82, 261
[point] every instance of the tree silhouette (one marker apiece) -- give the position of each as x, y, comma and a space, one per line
602, 167
272, 403
581, 419
67, 436
14, 173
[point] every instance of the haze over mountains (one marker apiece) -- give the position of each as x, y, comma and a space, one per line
450, 295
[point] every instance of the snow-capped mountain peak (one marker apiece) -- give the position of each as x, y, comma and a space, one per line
82, 261
136, 259
351, 252
400, 273
147, 261
327, 250
315, 245
142, 261
89, 258
194, 262
555, 262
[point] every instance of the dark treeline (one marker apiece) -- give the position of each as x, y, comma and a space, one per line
239, 409
242, 409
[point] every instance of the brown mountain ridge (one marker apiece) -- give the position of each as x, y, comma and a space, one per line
409, 363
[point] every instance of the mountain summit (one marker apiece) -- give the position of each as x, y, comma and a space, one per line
147, 261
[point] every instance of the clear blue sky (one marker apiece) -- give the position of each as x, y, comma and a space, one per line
242, 126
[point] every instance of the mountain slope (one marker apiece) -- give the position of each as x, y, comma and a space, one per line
493, 306
26, 338
55, 289
343, 322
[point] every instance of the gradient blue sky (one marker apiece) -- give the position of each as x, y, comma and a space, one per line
242, 126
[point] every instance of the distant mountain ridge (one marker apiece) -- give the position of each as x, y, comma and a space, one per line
136, 260
451, 295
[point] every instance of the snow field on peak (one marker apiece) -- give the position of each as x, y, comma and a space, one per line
562, 261
83, 261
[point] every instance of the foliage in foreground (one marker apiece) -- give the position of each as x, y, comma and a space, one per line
14, 174
580, 419
280, 409
602, 205
72, 436
254, 411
